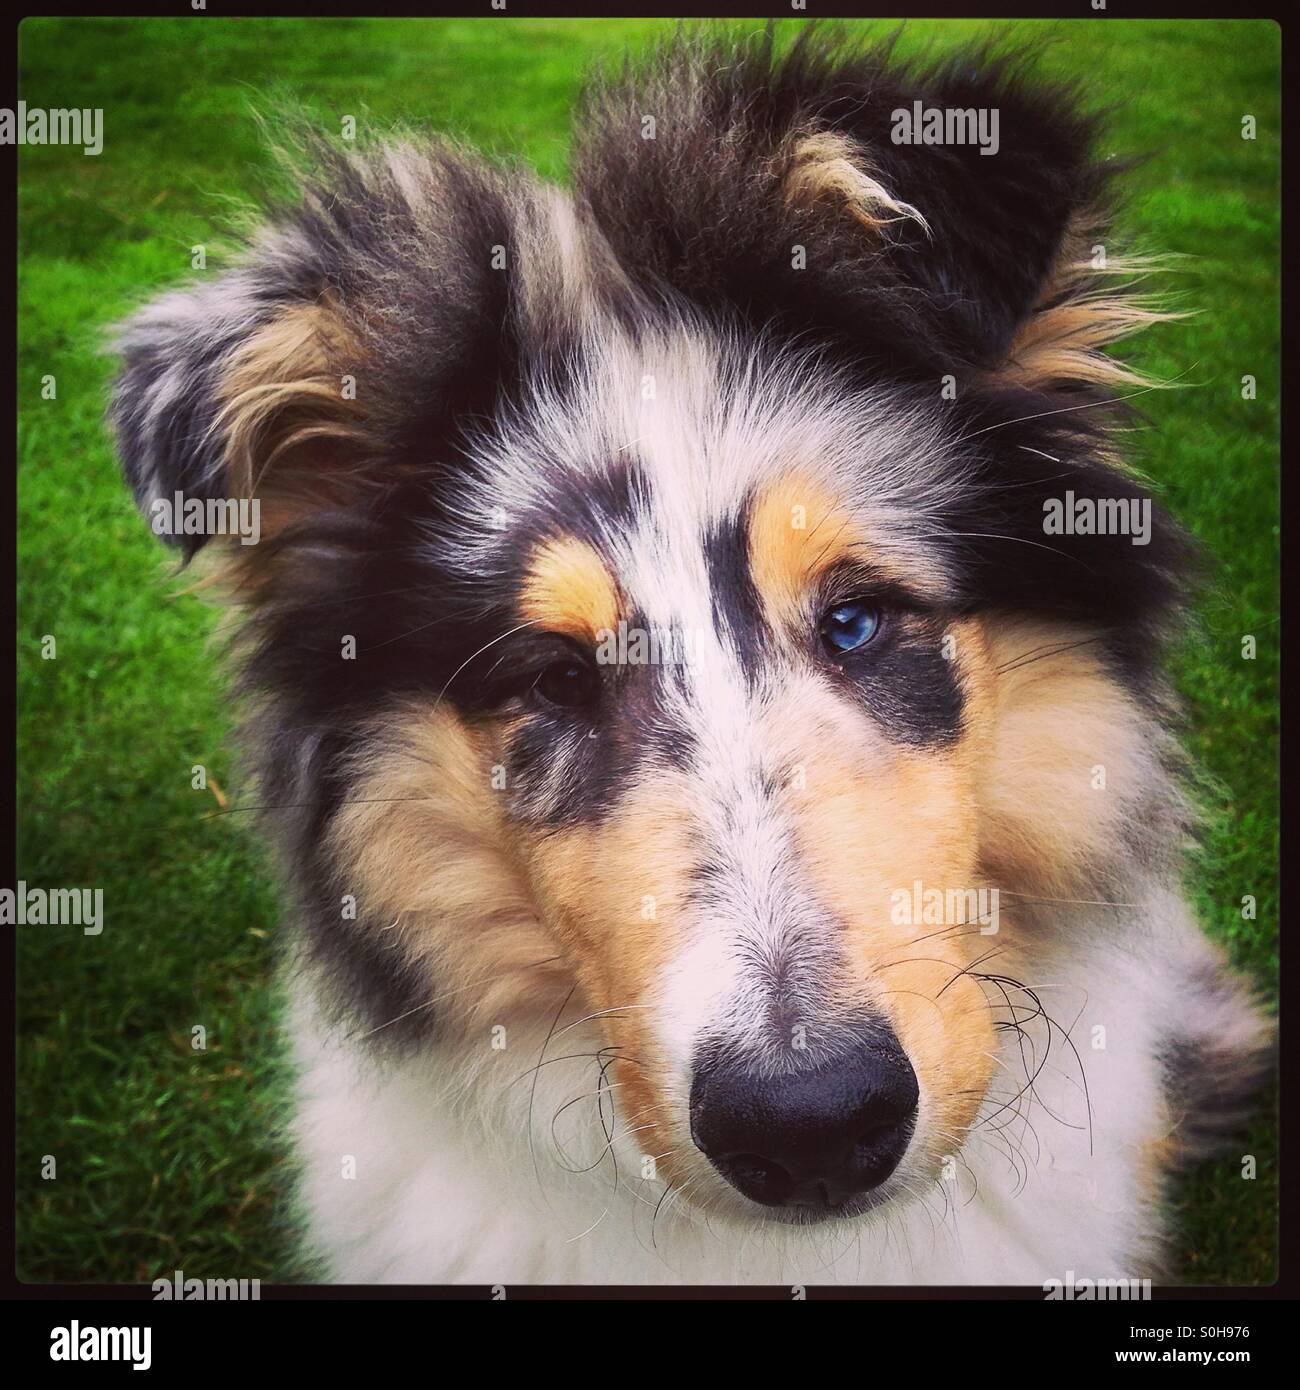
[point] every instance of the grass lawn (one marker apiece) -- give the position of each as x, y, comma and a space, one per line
166, 1155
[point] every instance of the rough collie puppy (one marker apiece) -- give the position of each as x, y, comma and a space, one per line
703, 661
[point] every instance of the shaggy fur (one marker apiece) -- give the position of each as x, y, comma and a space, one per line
759, 363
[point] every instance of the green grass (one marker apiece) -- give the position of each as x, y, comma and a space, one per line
167, 1156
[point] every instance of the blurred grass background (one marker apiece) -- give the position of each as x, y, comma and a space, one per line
167, 1157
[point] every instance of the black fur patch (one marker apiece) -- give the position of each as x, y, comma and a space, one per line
1216, 1066
737, 604
904, 683
569, 768
698, 209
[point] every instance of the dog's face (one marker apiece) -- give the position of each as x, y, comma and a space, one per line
736, 711
655, 593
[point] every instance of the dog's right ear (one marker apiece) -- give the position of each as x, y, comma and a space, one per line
331, 360
224, 380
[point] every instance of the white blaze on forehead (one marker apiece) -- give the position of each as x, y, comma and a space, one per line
707, 420
700, 442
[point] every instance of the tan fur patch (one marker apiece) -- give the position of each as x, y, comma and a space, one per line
1158, 1158
283, 391
425, 850
613, 895
1084, 308
291, 438
871, 821
569, 590
826, 166
1067, 758
501, 923
797, 530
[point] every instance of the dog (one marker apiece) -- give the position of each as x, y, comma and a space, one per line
704, 689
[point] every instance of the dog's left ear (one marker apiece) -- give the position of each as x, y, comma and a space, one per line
933, 214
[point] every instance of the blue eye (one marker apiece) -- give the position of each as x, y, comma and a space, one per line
848, 626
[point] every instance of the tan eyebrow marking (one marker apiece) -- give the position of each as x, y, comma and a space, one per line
570, 590
796, 531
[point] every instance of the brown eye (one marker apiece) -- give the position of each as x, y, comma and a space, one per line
569, 683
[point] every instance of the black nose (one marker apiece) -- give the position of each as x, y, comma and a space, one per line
816, 1136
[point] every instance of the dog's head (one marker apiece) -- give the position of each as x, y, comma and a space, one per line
658, 596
